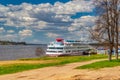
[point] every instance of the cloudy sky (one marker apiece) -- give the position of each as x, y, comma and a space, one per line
41, 21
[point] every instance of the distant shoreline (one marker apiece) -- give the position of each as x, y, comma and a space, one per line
17, 43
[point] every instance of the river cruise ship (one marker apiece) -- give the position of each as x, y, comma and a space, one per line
66, 47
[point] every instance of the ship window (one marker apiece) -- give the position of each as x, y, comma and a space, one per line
51, 51
59, 51
54, 51
55, 47
67, 51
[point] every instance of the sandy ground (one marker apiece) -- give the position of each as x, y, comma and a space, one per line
66, 72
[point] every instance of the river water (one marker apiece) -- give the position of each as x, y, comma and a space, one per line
12, 52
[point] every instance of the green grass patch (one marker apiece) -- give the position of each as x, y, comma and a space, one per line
22, 67
101, 64
56, 61
70, 58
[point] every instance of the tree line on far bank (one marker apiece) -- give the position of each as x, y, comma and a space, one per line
12, 43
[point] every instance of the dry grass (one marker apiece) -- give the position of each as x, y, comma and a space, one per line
24, 62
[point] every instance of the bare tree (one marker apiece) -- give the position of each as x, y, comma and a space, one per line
107, 25
115, 8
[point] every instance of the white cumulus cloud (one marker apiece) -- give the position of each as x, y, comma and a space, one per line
51, 18
25, 33
85, 22
73, 7
31, 16
52, 35
2, 30
10, 31
9, 37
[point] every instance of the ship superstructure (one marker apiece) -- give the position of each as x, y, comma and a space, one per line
66, 47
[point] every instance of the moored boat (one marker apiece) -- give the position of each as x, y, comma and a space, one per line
66, 47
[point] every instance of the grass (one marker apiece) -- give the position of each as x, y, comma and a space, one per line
13, 68
101, 64
69, 58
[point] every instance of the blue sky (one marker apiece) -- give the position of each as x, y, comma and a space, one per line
17, 2
41, 21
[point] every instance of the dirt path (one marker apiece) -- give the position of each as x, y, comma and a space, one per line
66, 72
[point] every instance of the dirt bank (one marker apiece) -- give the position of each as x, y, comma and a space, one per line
66, 72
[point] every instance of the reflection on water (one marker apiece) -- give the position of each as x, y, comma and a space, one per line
11, 52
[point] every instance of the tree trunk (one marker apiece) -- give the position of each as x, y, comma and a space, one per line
117, 42
110, 56
110, 52
116, 23
116, 55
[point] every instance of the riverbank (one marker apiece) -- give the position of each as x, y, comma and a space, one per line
7, 67
66, 72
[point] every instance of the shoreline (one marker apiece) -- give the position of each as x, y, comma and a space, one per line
66, 72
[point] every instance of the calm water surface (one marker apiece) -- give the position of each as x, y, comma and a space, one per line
12, 52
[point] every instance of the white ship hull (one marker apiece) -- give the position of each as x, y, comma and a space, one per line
55, 54
64, 54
